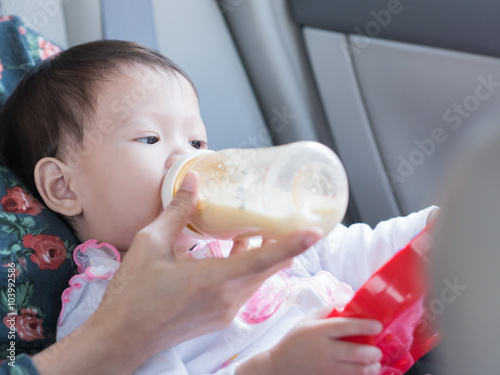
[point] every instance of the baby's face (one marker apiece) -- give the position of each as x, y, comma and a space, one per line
144, 122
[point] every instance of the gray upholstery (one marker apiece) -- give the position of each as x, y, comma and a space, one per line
461, 25
83, 21
194, 35
391, 107
129, 20
350, 123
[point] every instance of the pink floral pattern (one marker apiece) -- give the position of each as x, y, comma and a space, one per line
281, 287
46, 49
266, 301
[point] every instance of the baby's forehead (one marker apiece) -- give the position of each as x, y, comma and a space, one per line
137, 80
133, 89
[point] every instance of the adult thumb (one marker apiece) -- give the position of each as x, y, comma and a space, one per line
180, 210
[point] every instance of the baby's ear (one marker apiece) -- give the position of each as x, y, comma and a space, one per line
53, 181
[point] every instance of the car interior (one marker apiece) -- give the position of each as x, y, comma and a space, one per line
399, 89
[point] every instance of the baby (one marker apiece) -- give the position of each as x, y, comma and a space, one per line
93, 132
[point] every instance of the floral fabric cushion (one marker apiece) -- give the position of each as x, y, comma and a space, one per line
35, 245
20, 49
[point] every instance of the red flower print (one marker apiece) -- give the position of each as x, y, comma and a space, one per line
50, 251
1, 68
9, 317
6, 18
28, 326
18, 201
22, 30
46, 49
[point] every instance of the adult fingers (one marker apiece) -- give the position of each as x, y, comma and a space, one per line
163, 231
267, 241
269, 259
240, 246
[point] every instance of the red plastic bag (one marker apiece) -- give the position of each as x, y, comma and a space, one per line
395, 295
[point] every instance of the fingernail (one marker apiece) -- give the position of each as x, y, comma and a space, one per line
376, 327
311, 239
189, 182
373, 353
373, 369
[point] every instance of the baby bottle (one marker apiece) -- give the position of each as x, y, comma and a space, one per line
268, 192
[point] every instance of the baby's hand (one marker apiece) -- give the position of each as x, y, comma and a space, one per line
314, 347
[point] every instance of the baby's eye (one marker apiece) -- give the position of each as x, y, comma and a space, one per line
148, 140
197, 144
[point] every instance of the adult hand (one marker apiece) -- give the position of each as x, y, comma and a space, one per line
158, 298
176, 298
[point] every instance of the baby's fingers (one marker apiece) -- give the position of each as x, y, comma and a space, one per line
350, 352
345, 327
240, 246
356, 369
